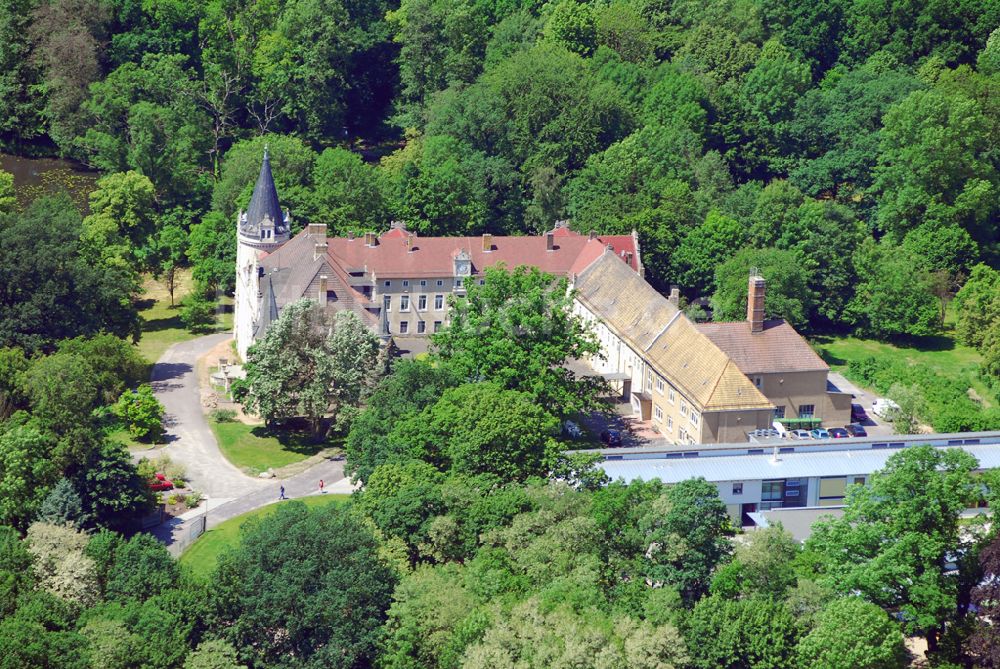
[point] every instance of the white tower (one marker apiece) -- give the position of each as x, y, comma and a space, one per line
262, 228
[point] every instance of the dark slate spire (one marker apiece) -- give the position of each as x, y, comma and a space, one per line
264, 202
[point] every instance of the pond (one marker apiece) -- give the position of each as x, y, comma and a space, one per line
35, 177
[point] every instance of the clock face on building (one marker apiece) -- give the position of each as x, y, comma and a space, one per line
462, 267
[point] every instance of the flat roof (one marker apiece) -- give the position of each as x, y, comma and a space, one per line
723, 468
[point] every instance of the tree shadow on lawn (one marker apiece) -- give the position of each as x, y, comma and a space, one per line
293, 438
160, 324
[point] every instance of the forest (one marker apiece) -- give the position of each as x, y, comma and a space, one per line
846, 147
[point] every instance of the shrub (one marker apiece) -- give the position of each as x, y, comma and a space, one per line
141, 413
193, 499
197, 313
223, 415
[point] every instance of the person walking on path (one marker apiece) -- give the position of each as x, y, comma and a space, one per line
281, 493
321, 486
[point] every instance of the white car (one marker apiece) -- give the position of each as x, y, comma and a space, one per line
881, 407
799, 434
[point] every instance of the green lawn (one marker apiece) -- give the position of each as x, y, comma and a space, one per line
941, 353
161, 323
255, 449
201, 557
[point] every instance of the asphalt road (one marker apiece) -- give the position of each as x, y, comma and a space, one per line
190, 441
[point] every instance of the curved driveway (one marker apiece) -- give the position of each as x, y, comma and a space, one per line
190, 440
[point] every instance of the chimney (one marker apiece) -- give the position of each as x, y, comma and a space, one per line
487, 242
409, 243
321, 293
370, 239
550, 241
317, 230
592, 235
350, 235
675, 296
755, 301
319, 250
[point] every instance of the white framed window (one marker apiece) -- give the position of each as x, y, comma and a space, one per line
670, 424
658, 413
684, 408
738, 488
807, 410
482, 281
422, 303
694, 418
440, 282
387, 283
757, 380
437, 326
660, 385
404, 327
458, 282
671, 396
421, 327
682, 434
404, 302
649, 381
406, 284
423, 283
438, 302
387, 303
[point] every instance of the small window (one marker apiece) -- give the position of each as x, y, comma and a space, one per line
682, 434
482, 281
387, 283
859, 480
649, 381
437, 326
387, 303
404, 302
422, 303
404, 327
440, 282
421, 327
758, 381
660, 385
779, 412
423, 282
807, 410
684, 408
438, 302
458, 282
406, 284
658, 413
671, 396
694, 418
738, 488
670, 424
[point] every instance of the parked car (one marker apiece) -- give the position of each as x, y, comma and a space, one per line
820, 433
838, 433
571, 429
612, 437
882, 406
858, 414
160, 482
856, 430
799, 434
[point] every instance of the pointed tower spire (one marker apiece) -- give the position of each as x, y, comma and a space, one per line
264, 202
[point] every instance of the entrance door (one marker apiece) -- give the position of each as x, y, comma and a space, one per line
745, 512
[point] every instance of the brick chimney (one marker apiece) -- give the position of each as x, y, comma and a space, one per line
550, 241
317, 230
755, 301
409, 243
319, 250
370, 239
321, 293
487, 242
675, 296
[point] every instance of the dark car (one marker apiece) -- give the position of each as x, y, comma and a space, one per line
856, 430
858, 414
838, 433
612, 437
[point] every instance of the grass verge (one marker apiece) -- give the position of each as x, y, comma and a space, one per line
161, 322
201, 557
255, 449
941, 353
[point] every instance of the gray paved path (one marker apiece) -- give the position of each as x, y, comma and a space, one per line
191, 441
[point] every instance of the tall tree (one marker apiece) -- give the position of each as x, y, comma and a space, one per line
850, 633
306, 365
788, 295
518, 329
893, 544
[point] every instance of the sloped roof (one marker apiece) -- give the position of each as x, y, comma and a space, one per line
264, 201
778, 348
671, 343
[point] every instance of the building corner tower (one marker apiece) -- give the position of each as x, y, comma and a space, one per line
261, 229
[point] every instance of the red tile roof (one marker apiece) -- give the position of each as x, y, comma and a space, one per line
433, 256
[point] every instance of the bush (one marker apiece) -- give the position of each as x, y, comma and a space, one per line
197, 313
193, 499
141, 413
223, 416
